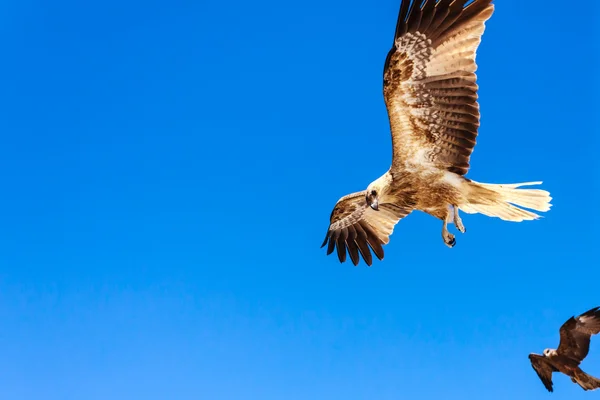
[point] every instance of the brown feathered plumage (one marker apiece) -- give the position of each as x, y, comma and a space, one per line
575, 336
430, 91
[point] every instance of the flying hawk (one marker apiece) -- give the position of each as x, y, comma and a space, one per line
574, 346
430, 91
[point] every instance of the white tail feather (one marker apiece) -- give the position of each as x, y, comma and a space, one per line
504, 201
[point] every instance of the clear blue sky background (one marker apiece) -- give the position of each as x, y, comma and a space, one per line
168, 170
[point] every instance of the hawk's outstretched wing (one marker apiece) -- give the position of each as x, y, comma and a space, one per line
430, 84
355, 227
543, 369
575, 334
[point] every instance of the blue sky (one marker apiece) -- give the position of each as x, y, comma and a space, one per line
168, 171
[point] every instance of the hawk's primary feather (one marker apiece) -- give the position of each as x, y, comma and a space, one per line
543, 369
355, 227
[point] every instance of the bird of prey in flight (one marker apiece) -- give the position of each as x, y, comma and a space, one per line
575, 335
430, 92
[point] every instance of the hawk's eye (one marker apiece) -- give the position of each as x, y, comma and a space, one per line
373, 192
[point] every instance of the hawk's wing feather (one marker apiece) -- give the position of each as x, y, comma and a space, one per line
543, 369
430, 84
575, 334
358, 229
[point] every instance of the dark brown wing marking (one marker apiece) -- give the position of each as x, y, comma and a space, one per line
355, 228
543, 369
430, 84
575, 334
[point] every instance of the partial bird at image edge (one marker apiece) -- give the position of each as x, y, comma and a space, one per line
574, 346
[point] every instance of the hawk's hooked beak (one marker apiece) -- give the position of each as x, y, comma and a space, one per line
374, 204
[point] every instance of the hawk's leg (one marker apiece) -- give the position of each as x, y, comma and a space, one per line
457, 221
447, 236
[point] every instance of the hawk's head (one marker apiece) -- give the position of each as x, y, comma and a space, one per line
376, 190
